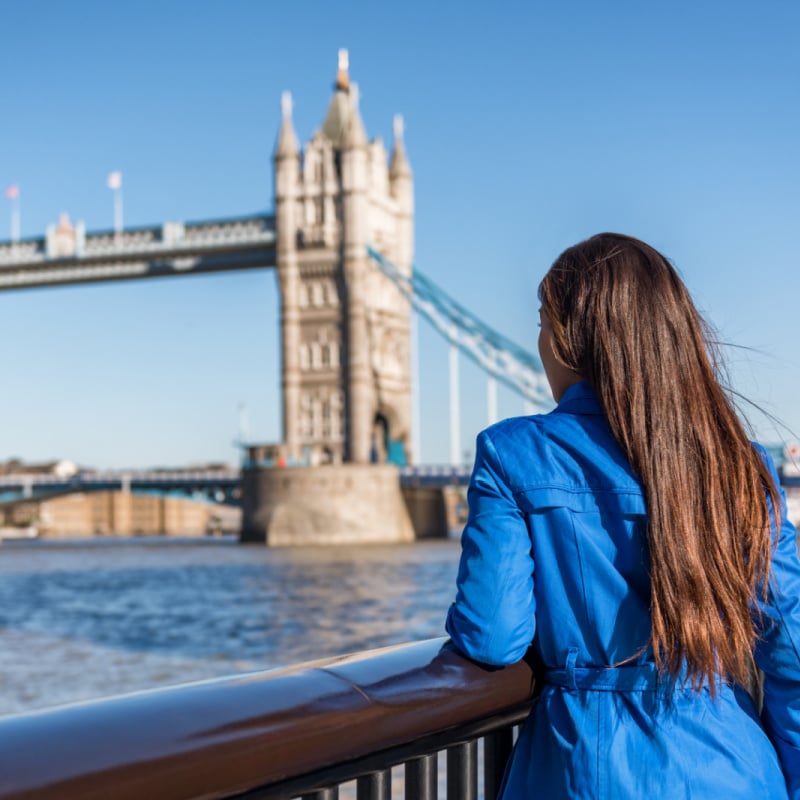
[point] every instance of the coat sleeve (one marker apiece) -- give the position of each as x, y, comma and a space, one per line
492, 618
778, 651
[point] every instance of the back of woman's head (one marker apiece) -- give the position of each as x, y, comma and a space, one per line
624, 321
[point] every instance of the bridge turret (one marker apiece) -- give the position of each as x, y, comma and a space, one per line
287, 185
401, 187
355, 216
399, 169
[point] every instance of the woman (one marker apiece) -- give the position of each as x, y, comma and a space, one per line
630, 536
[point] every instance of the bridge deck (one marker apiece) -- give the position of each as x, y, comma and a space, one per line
70, 256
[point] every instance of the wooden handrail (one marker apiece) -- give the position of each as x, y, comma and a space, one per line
233, 735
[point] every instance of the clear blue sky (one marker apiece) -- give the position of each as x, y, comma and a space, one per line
529, 126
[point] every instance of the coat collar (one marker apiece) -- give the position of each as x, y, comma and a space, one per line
579, 399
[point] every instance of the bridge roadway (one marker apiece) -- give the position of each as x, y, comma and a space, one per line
68, 255
226, 481
21, 486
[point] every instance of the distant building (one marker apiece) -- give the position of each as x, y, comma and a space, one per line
61, 469
85, 514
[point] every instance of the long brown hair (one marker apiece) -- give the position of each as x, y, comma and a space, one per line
624, 321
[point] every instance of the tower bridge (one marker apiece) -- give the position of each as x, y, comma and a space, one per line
342, 243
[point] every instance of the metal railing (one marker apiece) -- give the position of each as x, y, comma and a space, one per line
296, 732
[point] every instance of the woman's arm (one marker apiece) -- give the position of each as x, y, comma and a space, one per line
492, 618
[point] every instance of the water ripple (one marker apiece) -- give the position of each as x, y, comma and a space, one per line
93, 619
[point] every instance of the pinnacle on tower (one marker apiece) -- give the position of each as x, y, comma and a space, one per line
354, 134
287, 105
399, 165
337, 120
343, 76
287, 145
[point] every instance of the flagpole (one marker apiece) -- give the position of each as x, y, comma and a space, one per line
12, 193
118, 212
15, 219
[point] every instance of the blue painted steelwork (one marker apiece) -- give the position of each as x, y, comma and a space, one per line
217, 486
497, 354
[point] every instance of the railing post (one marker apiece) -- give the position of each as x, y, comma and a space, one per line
421, 778
462, 771
375, 786
496, 752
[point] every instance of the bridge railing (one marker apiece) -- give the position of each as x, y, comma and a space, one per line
296, 732
170, 236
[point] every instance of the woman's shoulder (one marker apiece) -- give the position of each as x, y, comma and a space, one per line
518, 436
537, 434
573, 452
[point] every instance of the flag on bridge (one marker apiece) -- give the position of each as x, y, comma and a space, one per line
115, 180
12, 193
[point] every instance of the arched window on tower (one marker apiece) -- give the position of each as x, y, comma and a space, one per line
302, 296
333, 294
316, 355
316, 417
327, 418
336, 401
306, 413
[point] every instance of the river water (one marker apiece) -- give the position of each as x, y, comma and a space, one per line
80, 620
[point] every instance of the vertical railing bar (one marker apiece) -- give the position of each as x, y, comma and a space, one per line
328, 793
497, 748
375, 785
422, 778
462, 771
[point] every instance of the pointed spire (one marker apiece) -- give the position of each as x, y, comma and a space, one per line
287, 145
338, 117
354, 135
343, 76
399, 165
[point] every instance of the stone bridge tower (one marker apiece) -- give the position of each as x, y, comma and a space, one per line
345, 327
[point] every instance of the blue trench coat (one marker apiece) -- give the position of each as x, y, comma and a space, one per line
554, 553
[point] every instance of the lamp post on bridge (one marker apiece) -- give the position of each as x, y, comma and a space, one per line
491, 399
456, 455
455, 408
